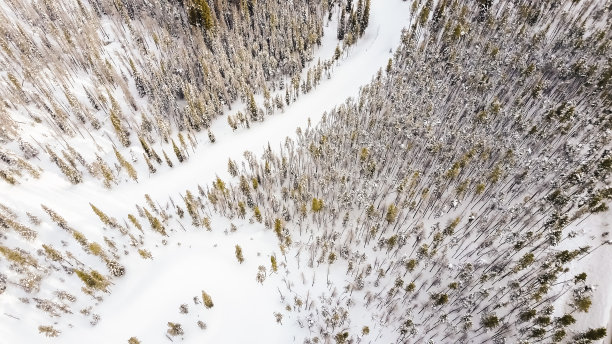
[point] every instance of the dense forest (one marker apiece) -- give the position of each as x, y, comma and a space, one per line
452, 201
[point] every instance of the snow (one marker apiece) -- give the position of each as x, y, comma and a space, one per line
150, 293
148, 296
597, 266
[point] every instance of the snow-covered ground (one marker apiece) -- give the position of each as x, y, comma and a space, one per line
597, 266
149, 295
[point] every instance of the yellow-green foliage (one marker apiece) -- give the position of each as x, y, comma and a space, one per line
208, 303
8, 177
48, 331
278, 227
191, 208
363, 156
19, 257
52, 253
107, 173
257, 213
175, 329
480, 188
168, 161
239, 254
495, 174
60, 221
134, 221
145, 254
80, 238
96, 249
391, 213
103, 217
206, 223
93, 279
450, 229
241, 209
126, 164
121, 134
583, 303
317, 204
200, 15
177, 152
73, 175
524, 262
274, 264
155, 223
22, 230
220, 185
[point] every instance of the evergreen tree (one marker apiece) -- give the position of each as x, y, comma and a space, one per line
207, 300
252, 107
168, 161
122, 134
239, 256
126, 164
201, 15
342, 25
177, 152
365, 18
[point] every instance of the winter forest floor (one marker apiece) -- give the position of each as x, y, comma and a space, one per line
191, 259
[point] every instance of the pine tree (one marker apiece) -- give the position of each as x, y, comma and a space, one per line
122, 134
207, 300
107, 174
191, 208
201, 15
274, 263
337, 53
145, 146
48, 331
73, 175
365, 18
103, 217
341, 25
592, 334
168, 161
239, 256
490, 321
232, 168
278, 226
126, 164
135, 222
155, 223
52, 253
177, 152
391, 213
152, 168
257, 214
317, 205
175, 329
252, 107
241, 210
8, 177
93, 279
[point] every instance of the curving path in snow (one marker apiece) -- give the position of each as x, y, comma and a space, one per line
364, 59
150, 293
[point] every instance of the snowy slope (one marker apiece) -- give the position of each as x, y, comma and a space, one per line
176, 273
